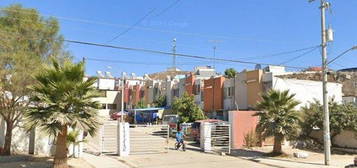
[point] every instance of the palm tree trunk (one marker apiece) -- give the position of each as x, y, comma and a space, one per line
277, 149
60, 160
8, 138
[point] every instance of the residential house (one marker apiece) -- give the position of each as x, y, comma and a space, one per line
195, 83
110, 96
250, 85
229, 101
213, 97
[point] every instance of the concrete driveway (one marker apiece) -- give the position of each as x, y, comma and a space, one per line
193, 157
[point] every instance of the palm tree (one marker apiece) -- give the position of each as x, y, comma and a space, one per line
64, 99
72, 138
278, 117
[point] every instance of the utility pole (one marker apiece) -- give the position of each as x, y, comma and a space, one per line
174, 54
327, 139
122, 97
326, 35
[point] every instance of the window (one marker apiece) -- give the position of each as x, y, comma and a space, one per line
197, 89
112, 106
141, 94
230, 91
175, 92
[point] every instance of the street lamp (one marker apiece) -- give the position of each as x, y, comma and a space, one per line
342, 54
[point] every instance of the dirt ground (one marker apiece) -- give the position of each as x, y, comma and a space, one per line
41, 162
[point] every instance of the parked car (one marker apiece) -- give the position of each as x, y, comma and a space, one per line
116, 115
172, 121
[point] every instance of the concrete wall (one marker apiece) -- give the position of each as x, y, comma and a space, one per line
190, 81
106, 84
349, 99
229, 101
181, 86
242, 123
112, 97
21, 138
241, 92
254, 87
346, 139
213, 94
306, 91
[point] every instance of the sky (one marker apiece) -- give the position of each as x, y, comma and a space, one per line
251, 30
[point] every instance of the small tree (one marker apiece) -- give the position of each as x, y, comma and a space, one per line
230, 73
186, 108
140, 104
64, 100
72, 138
27, 42
342, 117
160, 101
278, 117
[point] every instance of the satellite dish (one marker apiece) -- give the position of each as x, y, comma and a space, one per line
258, 66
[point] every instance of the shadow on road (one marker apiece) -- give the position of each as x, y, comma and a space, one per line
257, 155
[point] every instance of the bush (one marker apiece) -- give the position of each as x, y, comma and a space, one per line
251, 139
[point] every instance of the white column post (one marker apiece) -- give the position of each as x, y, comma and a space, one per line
205, 134
123, 139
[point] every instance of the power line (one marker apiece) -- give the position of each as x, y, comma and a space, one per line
134, 62
131, 27
159, 52
281, 53
167, 8
169, 53
345, 52
299, 56
87, 21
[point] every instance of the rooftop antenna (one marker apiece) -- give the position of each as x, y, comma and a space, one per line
215, 42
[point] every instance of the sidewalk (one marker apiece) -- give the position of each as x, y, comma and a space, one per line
103, 161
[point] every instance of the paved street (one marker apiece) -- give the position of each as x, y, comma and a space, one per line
103, 161
197, 159
191, 158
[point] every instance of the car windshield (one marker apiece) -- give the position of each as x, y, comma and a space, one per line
170, 119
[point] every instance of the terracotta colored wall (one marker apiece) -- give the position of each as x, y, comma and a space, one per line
136, 94
254, 87
242, 123
146, 93
126, 94
189, 83
213, 99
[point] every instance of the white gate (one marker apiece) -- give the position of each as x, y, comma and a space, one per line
221, 137
105, 140
146, 139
